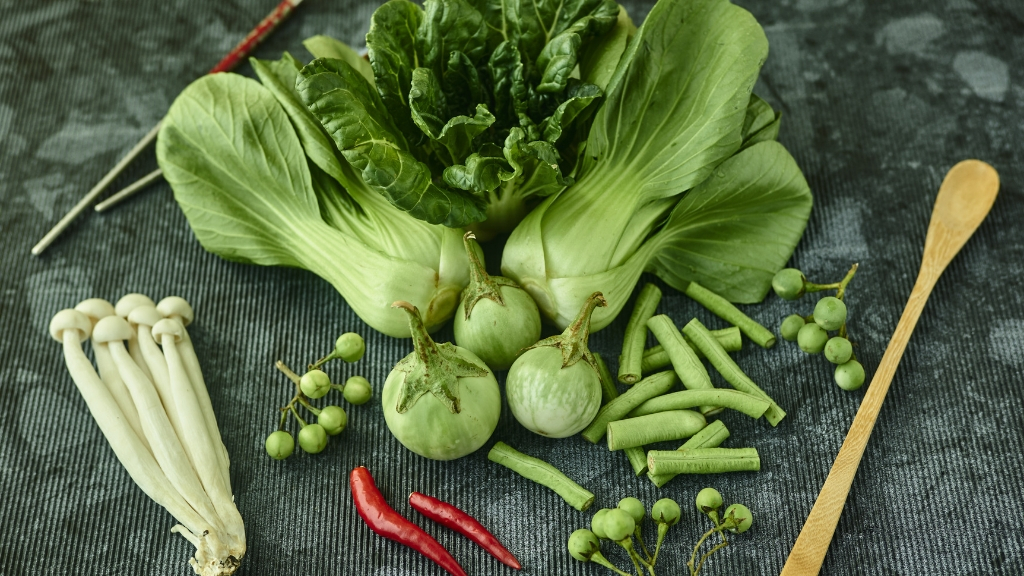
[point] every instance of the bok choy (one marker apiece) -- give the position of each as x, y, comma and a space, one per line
680, 175
260, 182
468, 111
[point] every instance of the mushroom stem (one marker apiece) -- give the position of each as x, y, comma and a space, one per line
169, 453
178, 309
198, 440
97, 309
142, 319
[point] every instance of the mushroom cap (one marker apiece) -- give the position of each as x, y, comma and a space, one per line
168, 326
112, 329
129, 302
95, 308
145, 315
70, 319
176, 307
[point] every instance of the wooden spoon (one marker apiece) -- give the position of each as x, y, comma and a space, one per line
965, 197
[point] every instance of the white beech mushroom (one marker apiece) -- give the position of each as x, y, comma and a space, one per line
70, 328
110, 334
142, 318
96, 309
201, 445
179, 309
124, 306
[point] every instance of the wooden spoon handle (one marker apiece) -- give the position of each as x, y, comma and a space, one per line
812, 544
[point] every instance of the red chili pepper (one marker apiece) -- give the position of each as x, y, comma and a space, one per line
447, 515
383, 520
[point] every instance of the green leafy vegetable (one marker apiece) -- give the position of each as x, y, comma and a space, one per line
235, 153
475, 109
680, 175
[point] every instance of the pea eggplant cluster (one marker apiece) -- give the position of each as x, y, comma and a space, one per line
314, 384
812, 333
623, 523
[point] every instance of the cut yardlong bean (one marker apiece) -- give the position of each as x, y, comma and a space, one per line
608, 390
655, 358
703, 461
729, 370
749, 404
636, 334
542, 473
654, 385
684, 360
711, 436
671, 425
731, 314
637, 456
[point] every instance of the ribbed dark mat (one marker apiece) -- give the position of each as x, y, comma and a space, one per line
879, 99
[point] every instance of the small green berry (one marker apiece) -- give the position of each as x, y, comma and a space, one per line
315, 384
666, 511
812, 338
280, 445
850, 375
740, 517
838, 350
350, 347
597, 523
333, 419
583, 544
357, 390
708, 500
788, 283
634, 508
791, 326
618, 524
313, 438
830, 313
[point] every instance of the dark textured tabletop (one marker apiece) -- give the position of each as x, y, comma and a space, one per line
879, 99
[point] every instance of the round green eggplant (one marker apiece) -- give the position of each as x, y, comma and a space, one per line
429, 427
497, 332
548, 399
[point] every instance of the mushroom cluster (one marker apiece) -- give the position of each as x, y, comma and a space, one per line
152, 405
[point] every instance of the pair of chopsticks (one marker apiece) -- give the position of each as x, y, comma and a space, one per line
233, 58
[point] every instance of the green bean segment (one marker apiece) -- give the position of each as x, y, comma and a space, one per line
684, 360
726, 311
703, 461
637, 457
636, 334
542, 473
671, 425
729, 370
656, 358
616, 409
749, 404
711, 436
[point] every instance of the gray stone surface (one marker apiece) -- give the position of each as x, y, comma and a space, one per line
879, 99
